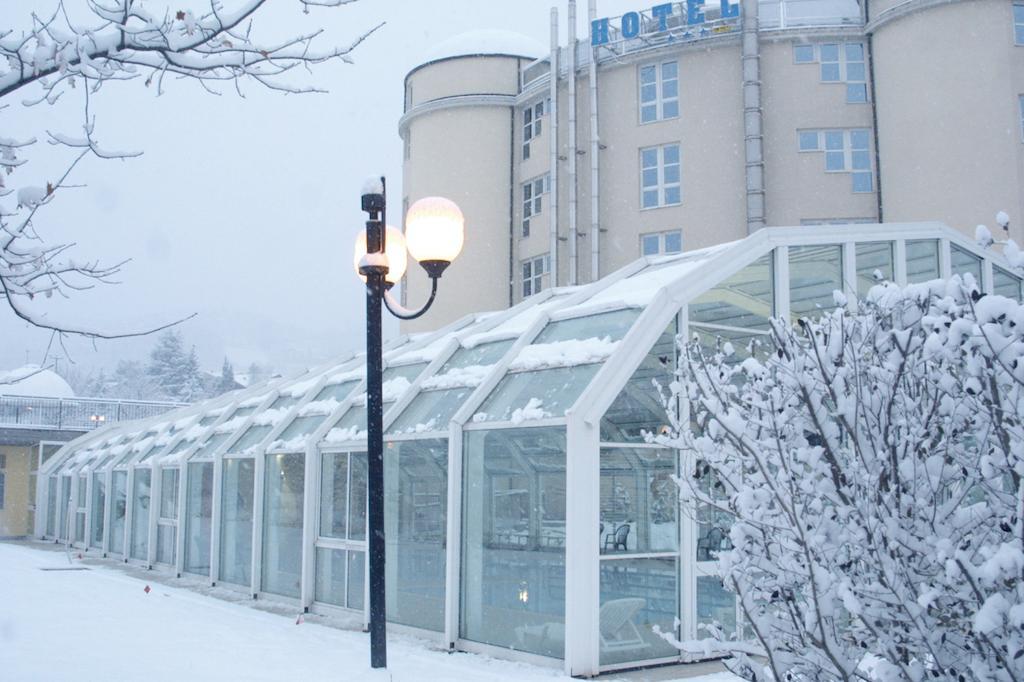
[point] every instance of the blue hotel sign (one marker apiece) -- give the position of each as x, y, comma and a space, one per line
630, 22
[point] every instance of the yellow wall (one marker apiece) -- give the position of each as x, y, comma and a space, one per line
15, 517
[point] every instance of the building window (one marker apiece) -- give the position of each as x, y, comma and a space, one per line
840, 63
534, 270
846, 151
660, 183
661, 243
3, 479
531, 125
1020, 100
1018, 23
803, 54
659, 92
532, 193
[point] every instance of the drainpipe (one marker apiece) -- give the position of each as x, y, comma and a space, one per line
753, 118
572, 143
553, 145
595, 148
870, 56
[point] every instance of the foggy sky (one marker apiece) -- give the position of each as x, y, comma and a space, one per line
243, 211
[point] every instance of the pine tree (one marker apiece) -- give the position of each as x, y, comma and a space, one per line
132, 382
194, 389
168, 367
227, 378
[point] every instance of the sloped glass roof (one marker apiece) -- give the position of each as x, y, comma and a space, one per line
541, 357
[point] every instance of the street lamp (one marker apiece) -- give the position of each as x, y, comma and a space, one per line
433, 236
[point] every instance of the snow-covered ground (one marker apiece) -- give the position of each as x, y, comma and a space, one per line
101, 624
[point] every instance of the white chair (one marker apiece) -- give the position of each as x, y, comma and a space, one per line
618, 631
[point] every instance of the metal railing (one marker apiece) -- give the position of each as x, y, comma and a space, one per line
74, 414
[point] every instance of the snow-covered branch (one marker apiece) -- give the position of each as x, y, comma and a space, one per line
54, 55
873, 465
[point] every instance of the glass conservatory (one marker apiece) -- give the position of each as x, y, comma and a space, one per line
529, 514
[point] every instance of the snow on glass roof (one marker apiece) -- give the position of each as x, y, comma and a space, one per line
535, 362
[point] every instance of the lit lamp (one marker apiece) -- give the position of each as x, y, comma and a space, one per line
433, 236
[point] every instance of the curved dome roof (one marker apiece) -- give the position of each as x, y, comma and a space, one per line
487, 42
32, 381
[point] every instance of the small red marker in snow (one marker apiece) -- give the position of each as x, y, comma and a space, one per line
146, 589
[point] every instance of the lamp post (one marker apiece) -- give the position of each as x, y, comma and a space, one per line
434, 234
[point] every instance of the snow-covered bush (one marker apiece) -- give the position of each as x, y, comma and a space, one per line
872, 462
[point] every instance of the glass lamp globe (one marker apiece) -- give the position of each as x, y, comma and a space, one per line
434, 229
394, 250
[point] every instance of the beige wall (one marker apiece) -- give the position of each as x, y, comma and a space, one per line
950, 131
15, 517
464, 153
949, 135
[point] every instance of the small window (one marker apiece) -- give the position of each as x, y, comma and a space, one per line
803, 54
661, 243
830, 71
532, 193
3, 488
3, 461
1018, 23
534, 270
660, 176
809, 140
531, 125
659, 92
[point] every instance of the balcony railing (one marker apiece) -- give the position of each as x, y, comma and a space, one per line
74, 414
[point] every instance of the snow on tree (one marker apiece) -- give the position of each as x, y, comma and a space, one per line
60, 56
174, 372
872, 462
227, 379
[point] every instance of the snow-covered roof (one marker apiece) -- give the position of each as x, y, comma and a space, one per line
548, 356
35, 382
486, 42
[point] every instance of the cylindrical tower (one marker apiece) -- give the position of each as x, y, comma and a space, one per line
948, 78
458, 133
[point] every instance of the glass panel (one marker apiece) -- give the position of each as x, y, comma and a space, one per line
236, 521
302, 426
613, 325
650, 244
485, 354
357, 498
206, 450
815, 272
536, 395
636, 596
80, 526
99, 499
874, 265
356, 579
283, 402
513, 553
744, 300
333, 495
336, 391
963, 262
862, 182
922, 260
282, 524
140, 513
65, 503
51, 507
430, 411
169, 493
199, 517
165, 543
118, 508
415, 517
251, 438
638, 501
330, 576
673, 242
715, 606
351, 426
1003, 282
639, 408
